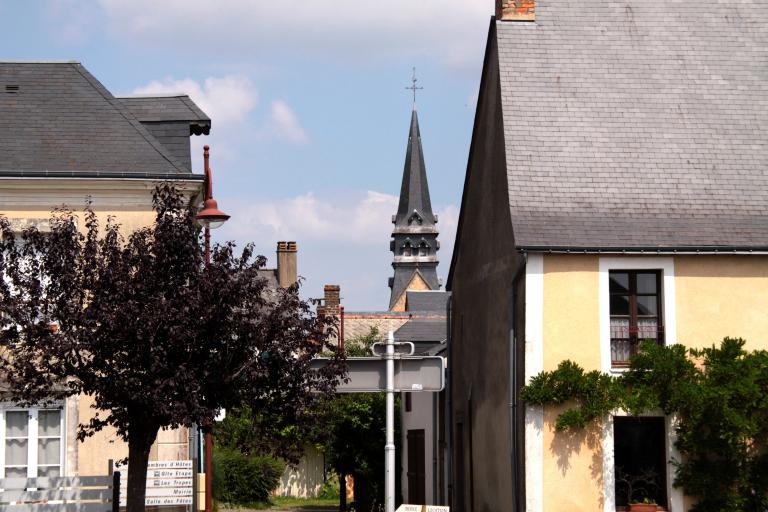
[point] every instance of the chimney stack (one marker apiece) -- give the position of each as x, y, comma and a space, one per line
332, 307
516, 10
332, 299
287, 273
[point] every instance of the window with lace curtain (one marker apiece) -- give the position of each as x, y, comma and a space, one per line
32, 443
635, 312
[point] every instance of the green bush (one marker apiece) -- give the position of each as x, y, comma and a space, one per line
719, 396
330, 488
243, 479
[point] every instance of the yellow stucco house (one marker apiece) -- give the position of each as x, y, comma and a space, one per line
616, 190
63, 137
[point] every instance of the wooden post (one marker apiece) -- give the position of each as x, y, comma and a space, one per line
115, 491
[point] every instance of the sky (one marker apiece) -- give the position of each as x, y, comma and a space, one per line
309, 109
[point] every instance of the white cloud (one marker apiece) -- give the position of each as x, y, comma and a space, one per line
343, 238
450, 31
283, 124
228, 99
362, 218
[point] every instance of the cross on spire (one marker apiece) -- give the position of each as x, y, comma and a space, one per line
413, 87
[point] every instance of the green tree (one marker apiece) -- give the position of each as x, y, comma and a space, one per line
352, 435
719, 396
350, 430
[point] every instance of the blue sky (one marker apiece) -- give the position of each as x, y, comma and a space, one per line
309, 109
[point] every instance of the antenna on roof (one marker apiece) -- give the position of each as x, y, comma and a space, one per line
413, 87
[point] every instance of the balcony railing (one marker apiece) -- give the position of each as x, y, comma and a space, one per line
626, 339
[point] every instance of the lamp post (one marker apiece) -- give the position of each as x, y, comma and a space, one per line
210, 217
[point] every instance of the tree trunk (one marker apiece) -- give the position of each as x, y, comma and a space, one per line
342, 492
139, 443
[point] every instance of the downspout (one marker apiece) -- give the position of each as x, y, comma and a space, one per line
435, 447
449, 403
513, 390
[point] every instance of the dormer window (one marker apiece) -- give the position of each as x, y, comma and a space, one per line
407, 250
423, 249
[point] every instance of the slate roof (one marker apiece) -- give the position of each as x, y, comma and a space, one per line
414, 190
432, 330
56, 119
179, 107
424, 333
426, 301
415, 223
270, 274
637, 124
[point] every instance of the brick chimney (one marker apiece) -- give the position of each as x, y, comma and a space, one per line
516, 10
287, 273
331, 306
332, 299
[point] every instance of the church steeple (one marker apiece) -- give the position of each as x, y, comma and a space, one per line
414, 238
414, 192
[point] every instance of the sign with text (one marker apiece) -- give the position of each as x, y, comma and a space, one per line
423, 508
169, 483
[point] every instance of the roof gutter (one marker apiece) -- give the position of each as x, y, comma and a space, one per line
103, 175
683, 250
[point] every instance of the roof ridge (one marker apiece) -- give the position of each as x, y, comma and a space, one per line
24, 61
140, 96
128, 116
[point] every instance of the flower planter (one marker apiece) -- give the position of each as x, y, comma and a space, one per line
643, 507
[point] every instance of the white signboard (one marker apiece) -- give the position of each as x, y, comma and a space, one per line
169, 482
422, 508
368, 374
177, 482
169, 464
167, 473
159, 502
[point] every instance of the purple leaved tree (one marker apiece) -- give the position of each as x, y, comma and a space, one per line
155, 337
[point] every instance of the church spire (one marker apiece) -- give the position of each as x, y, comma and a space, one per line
414, 191
414, 238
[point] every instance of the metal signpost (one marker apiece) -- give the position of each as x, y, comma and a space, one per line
402, 372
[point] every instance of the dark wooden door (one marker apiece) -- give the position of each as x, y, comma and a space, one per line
416, 464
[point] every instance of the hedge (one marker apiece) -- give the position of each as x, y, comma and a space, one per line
244, 479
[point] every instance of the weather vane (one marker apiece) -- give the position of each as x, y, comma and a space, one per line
413, 86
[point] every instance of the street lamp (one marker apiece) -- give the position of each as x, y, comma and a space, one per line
210, 217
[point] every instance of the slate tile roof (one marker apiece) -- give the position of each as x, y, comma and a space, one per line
180, 107
423, 330
57, 119
422, 300
414, 190
640, 123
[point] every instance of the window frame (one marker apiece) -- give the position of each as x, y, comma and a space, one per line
633, 316
33, 438
675, 497
666, 266
659, 454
